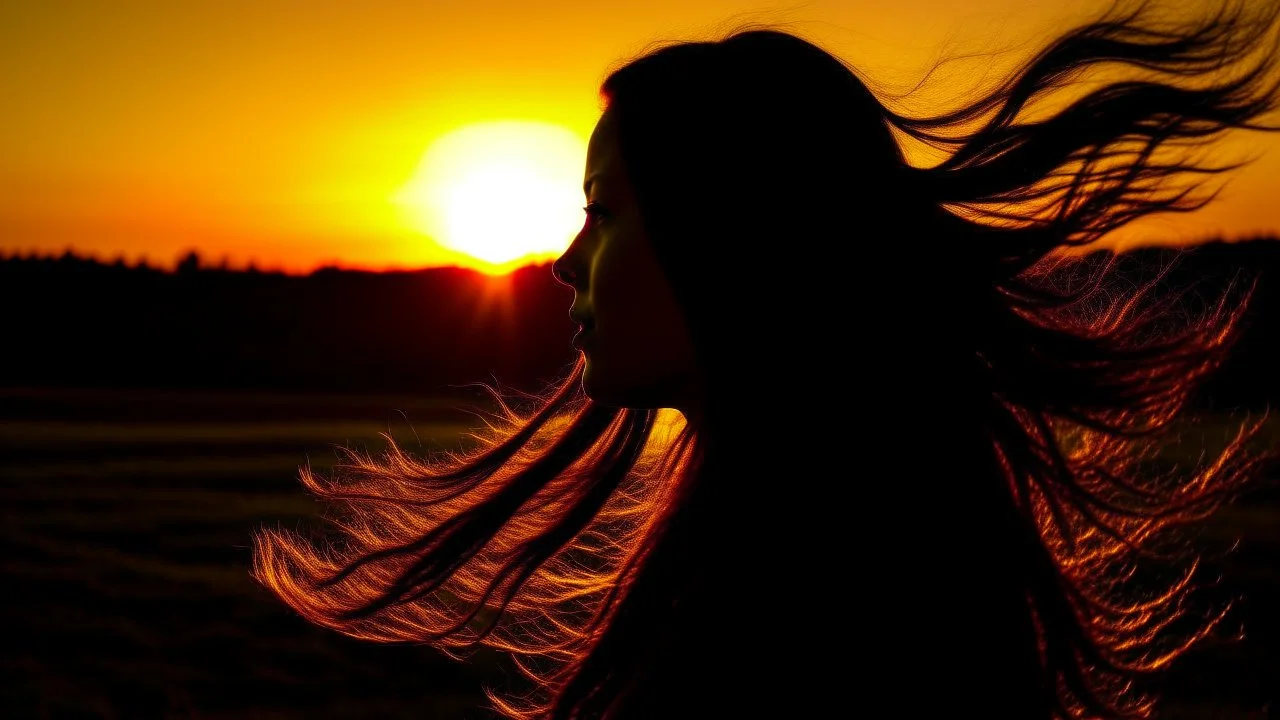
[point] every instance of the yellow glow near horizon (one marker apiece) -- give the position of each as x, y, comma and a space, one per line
505, 192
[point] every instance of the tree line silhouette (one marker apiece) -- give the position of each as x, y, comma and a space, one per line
76, 321
79, 322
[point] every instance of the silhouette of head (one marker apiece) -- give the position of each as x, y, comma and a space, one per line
726, 181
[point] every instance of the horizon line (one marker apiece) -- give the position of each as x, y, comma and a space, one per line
193, 261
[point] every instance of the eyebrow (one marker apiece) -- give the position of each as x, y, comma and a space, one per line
586, 186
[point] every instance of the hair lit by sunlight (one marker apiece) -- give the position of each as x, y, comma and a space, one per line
505, 193
539, 585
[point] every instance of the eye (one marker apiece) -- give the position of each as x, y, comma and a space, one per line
594, 211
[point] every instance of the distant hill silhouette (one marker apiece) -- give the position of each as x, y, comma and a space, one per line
73, 321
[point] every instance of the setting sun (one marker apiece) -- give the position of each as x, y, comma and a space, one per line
504, 193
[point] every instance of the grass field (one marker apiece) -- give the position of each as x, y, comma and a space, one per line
127, 516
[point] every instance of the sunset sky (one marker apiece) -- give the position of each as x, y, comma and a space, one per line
295, 133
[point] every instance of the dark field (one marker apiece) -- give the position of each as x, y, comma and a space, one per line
127, 594
127, 517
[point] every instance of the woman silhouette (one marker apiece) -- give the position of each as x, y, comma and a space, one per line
845, 433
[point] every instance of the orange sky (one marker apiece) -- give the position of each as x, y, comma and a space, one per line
278, 130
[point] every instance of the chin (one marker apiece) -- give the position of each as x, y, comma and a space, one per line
596, 386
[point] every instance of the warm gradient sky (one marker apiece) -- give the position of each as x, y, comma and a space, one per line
282, 130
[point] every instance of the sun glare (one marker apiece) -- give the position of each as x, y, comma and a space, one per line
504, 193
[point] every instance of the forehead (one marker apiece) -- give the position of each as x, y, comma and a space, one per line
603, 157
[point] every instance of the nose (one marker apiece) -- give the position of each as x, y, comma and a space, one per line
561, 271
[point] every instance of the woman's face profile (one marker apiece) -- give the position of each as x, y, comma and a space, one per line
633, 333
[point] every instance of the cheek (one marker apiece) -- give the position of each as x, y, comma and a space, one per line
630, 296
642, 330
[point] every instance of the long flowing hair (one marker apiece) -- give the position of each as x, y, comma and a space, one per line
582, 539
